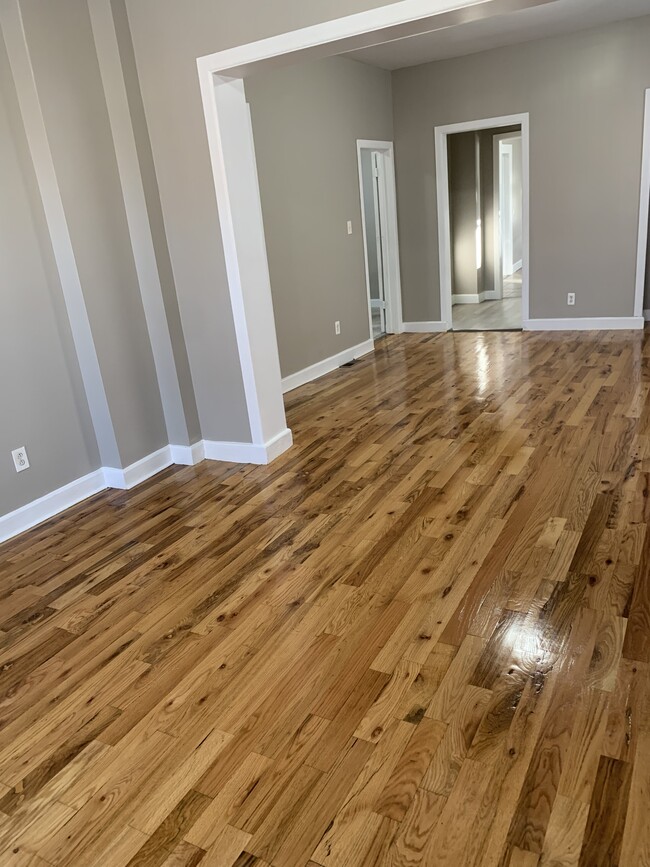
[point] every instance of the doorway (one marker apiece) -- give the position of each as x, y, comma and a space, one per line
482, 173
380, 237
485, 205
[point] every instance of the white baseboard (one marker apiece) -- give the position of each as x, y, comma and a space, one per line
492, 295
425, 327
327, 365
581, 323
51, 504
248, 453
188, 456
469, 298
140, 471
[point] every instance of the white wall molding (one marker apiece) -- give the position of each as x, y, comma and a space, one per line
232, 155
140, 471
644, 212
517, 266
327, 365
188, 456
248, 453
135, 205
614, 323
37, 139
469, 298
426, 327
46, 507
51, 504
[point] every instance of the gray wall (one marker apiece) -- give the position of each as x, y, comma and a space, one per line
306, 122
43, 401
585, 94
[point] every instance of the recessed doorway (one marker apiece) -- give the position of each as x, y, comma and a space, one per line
482, 174
380, 236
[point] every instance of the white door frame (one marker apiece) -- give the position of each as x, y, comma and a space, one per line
644, 211
444, 228
504, 137
390, 237
234, 169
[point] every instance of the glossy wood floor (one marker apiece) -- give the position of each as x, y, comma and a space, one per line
422, 636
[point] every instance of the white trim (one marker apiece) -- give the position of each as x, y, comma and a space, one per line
51, 504
234, 169
517, 266
135, 206
442, 191
359, 30
248, 453
644, 208
425, 327
58, 501
140, 471
11, 22
469, 298
614, 323
188, 456
327, 365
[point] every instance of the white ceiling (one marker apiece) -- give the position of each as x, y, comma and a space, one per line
560, 16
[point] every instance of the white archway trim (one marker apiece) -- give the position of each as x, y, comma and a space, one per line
234, 169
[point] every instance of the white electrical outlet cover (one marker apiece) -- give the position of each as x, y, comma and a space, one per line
21, 461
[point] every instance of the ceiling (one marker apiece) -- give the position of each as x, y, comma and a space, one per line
560, 16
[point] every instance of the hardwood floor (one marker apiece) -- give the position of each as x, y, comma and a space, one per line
421, 637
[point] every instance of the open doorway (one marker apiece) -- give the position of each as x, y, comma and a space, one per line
380, 240
485, 212
482, 174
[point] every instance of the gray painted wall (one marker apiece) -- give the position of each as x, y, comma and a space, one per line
72, 99
583, 234
306, 122
43, 401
